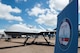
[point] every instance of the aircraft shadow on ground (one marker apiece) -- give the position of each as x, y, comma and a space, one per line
36, 43
8, 47
27, 44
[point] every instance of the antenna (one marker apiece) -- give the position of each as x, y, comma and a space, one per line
41, 27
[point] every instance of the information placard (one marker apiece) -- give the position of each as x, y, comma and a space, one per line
67, 29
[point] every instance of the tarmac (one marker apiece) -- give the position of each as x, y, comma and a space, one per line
40, 46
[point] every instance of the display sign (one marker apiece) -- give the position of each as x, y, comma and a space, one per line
65, 33
67, 29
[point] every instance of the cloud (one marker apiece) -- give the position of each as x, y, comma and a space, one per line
2, 31
45, 15
36, 10
22, 27
17, 27
79, 6
18, 1
49, 19
5, 12
58, 4
16, 10
48, 16
25, 0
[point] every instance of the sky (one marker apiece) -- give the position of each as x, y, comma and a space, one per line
35, 14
